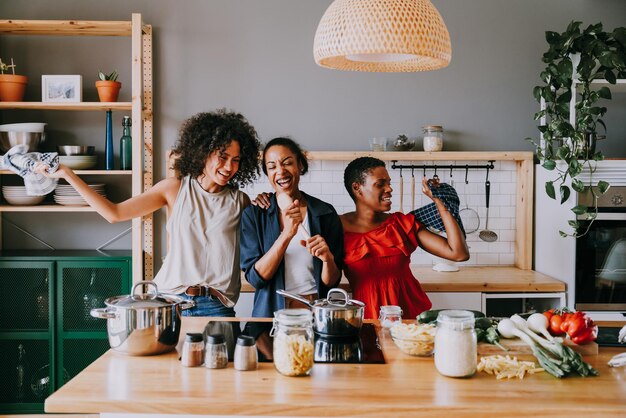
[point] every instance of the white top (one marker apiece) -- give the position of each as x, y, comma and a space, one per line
299, 277
204, 241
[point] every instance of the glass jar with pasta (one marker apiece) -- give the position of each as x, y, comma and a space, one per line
293, 341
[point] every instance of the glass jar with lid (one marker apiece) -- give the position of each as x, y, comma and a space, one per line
216, 353
390, 315
455, 343
433, 138
293, 341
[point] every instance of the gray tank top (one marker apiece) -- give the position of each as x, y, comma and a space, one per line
204, 241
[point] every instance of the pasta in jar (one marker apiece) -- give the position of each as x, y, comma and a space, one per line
293, 342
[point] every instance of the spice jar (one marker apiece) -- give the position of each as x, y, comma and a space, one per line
293, 341
433, 138
246, 357
390, 315
193, 350
216, 354
455, 343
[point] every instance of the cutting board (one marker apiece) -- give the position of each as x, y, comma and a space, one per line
517, 346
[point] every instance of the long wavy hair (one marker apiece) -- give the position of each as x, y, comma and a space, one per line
207, 132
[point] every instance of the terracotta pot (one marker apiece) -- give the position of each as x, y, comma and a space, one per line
12, 87
108, 90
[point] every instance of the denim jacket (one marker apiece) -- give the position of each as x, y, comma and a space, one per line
260, 228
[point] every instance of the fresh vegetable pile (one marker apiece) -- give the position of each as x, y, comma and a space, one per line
553, 356
577, 325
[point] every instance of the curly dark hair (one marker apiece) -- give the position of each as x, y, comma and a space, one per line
293, 147
356, 171
206, 132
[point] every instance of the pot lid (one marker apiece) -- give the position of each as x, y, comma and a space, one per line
339, 303
144, 300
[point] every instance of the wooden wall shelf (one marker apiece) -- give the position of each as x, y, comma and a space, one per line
115, 106
423, 156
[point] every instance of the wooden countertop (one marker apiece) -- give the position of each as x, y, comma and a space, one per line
473, 279
403, 387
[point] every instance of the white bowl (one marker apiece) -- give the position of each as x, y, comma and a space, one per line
23, 127
24, 201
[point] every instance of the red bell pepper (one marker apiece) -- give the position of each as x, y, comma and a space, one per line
579, 327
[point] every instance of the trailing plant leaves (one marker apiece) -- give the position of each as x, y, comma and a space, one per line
537, 92
553, 37
563, 234
579, 209
550, 190
565, 193
573, 224
603, 186
549, 164
578, 185
610, 77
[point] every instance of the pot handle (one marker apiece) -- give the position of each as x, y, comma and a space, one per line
338, 302
188, 304
102, 313
292, 296
145, 283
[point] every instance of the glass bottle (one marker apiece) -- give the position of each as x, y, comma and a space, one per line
20, 374
216, 354
293, 341
193, 350
455, 343
42, 302
433, 138
390, 315
126, 146
108, 144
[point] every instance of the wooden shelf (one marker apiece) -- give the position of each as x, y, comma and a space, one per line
618, 87
423, 156
45, 208
66, 27
88, 172
97, 106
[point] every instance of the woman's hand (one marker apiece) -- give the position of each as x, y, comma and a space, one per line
292, 218
61, 172
434, 182
262, 200
317, 247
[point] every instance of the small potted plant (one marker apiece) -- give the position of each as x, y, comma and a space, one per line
12, 86
108, 86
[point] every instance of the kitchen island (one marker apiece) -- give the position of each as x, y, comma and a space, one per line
403, 387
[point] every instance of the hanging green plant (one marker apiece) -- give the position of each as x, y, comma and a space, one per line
568, 144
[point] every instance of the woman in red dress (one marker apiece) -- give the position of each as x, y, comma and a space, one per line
378, 244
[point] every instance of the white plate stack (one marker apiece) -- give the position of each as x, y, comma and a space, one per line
79, 162
16, 195
65, 194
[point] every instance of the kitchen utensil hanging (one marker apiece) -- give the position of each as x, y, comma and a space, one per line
401, 189
469, 216
412, 190
486, 234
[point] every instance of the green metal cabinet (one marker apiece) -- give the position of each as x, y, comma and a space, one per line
46, 333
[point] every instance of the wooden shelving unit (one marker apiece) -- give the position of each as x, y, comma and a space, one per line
140, 107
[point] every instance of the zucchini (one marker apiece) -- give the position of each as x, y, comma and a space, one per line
431, 316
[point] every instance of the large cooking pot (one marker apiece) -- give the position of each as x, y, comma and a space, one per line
143, 324
334, 317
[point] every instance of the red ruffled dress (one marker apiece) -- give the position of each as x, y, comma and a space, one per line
377, 267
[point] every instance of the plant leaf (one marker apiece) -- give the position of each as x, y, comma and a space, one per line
578, 185
565, 192
579, 209
563, 234
605, 93
550, 189
549, 165
603, 186
610, 76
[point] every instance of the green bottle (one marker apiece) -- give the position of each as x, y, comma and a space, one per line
126, 146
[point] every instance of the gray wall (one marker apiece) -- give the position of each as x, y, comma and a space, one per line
255, 56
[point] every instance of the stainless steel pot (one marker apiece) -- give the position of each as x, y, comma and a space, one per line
334, 317
143, 324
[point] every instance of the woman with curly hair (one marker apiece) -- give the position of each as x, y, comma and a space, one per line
216, 153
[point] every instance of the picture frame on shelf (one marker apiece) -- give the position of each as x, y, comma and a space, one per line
62, 88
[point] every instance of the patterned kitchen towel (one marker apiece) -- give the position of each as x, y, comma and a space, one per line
22, 163
429, 215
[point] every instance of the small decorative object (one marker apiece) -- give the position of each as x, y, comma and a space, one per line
401, 143
433, 138
378, 144
108, 144
61, 88
108, 86
126, 146
12, 86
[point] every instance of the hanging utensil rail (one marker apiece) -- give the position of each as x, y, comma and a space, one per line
436, 167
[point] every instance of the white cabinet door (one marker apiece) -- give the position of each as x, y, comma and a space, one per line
456, 300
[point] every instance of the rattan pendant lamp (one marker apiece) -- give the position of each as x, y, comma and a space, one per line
382, 36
